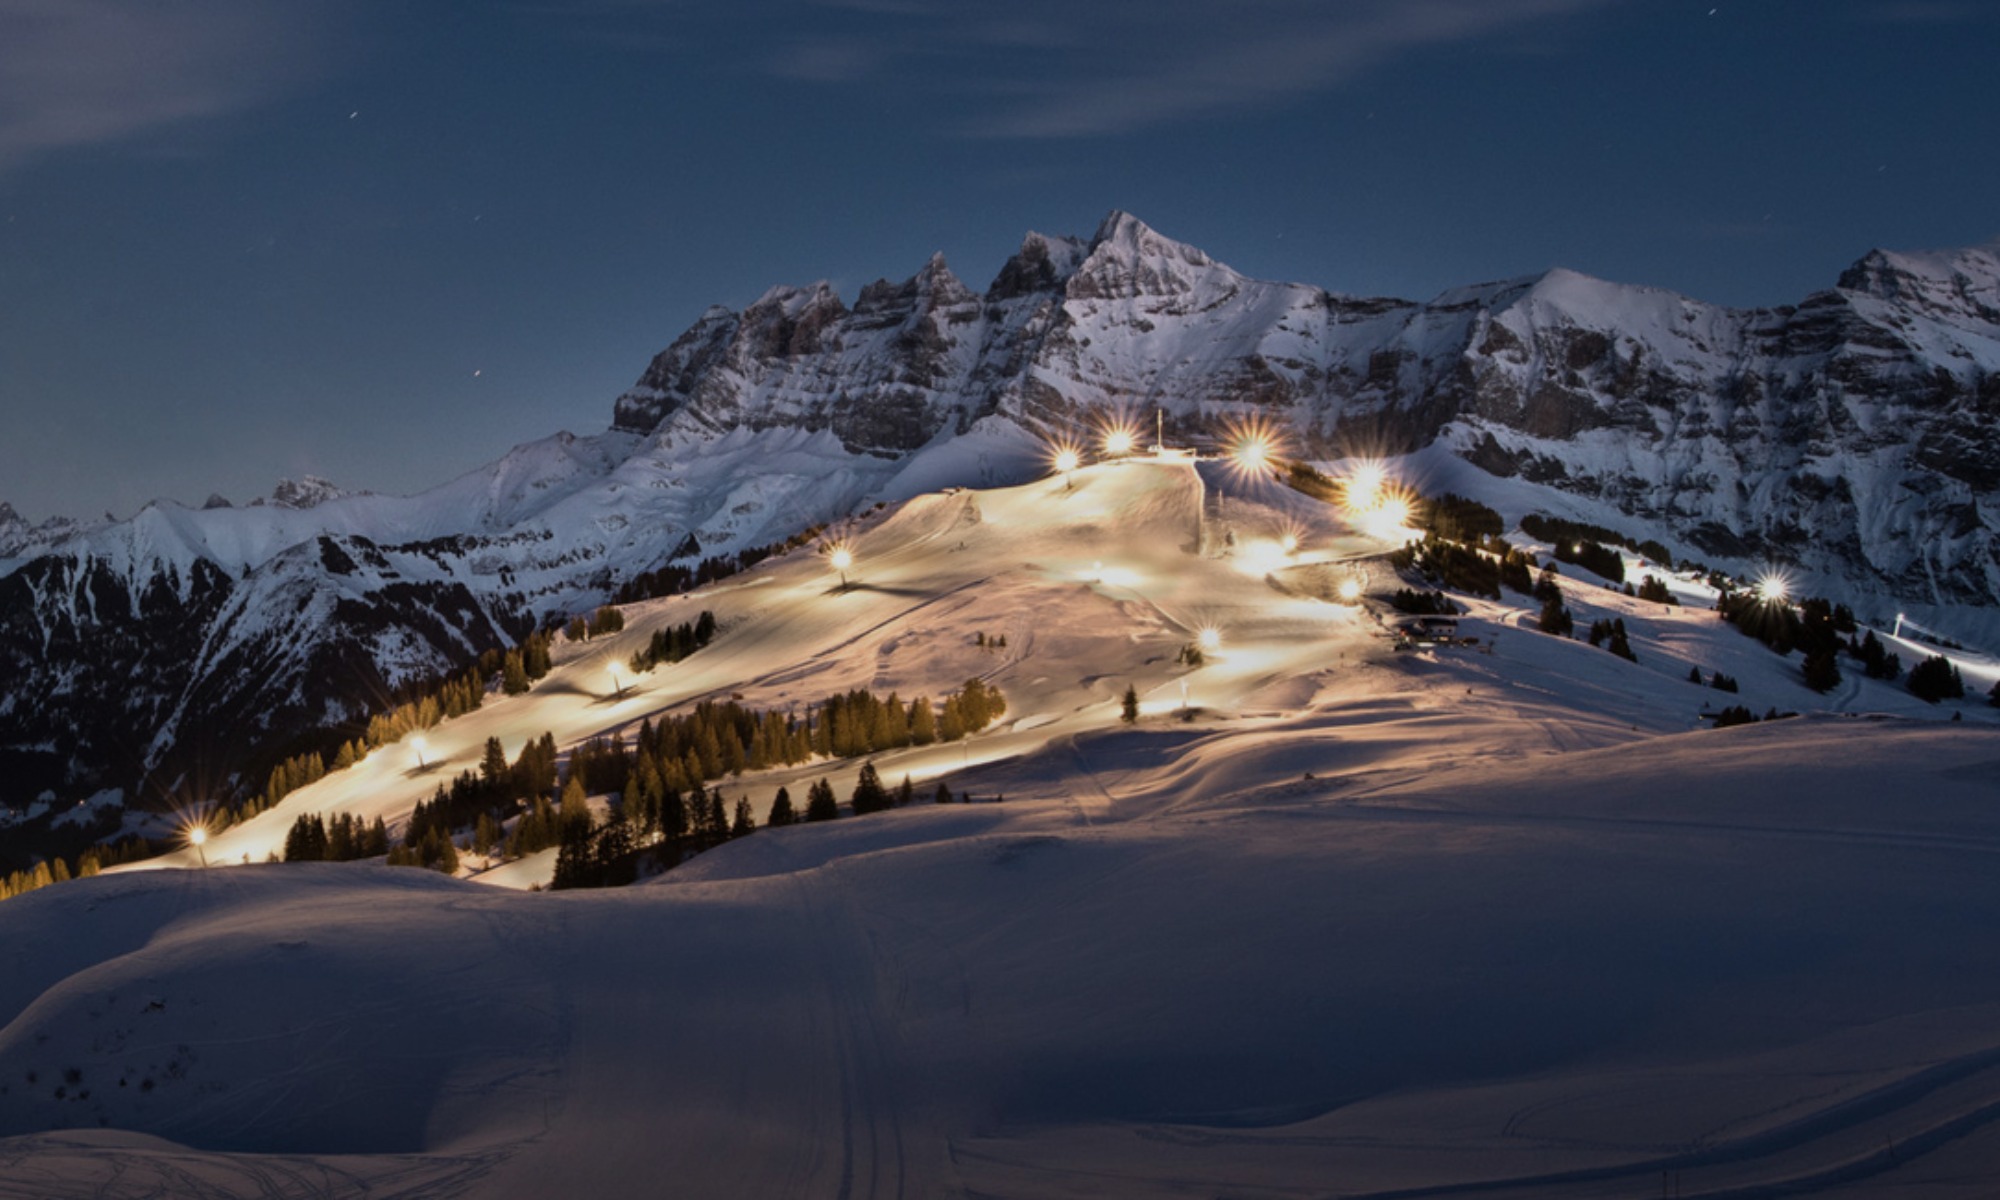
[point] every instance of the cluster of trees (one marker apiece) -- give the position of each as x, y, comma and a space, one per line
312, 838
1875, 659
1459, 519
46, 872
989, 643
1559, 532
1465, 569
1408, 600
606, 619
1593, 556
1611, 635
1555, 618
1720, 682
1814, 626
1737, 714
1653, 588
1936, 679
675, 643
525, 663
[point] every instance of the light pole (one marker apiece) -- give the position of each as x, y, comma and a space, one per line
198, 837
617, 687
841, 559
417, 744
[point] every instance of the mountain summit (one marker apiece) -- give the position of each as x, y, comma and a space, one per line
1850, 436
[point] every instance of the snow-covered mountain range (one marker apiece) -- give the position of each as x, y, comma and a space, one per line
1850, 437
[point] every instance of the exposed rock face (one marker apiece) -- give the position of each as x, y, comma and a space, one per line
1864, 415
1854, 435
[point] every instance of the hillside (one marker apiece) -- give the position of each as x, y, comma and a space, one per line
177, 655
1505, 918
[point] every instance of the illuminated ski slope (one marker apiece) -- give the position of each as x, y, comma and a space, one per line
1372, 921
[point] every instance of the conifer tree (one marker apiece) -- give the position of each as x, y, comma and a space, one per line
943, 793
1129, 707
906, 793
493, 767
820, 802
781, 810
745, 823
513, 674
869, 794
923, 722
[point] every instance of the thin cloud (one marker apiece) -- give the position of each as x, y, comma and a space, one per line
90, 72
1165, 62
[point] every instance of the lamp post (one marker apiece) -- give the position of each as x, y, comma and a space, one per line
198, 838
617, 686
1067, 460
841, 559
417, 744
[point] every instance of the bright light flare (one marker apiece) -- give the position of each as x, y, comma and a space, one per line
1289, 543
1350, 591
1252, 453
1389, 520
1262, 558
1209, 638
1119, 440
1774, 588
617, 685
1067, 460
196, 833
1253, 449
841, 559
418, 745
1365, 487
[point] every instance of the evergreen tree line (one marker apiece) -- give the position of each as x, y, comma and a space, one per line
46, 872
1458, 519
1559, 532
673, 644
661, 779
312, 838
1407, 600
1653, 588
1465, 569
1593, 556
606, 620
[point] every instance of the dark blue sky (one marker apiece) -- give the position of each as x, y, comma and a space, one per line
382, 242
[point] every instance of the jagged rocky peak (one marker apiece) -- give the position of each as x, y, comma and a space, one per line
927, 291
790, 322
1961, 287
8, 517
309, 492
216, 500
1126, 258
1042, 264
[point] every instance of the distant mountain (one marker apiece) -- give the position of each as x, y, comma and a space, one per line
1852, 437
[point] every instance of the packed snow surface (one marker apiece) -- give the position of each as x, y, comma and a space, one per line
1503, 919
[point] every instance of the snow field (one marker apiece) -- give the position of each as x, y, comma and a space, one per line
1371, 921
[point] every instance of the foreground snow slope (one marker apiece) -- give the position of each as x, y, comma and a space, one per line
1751, 956
1422, 923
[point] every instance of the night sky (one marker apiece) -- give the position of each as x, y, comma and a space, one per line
382, 242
